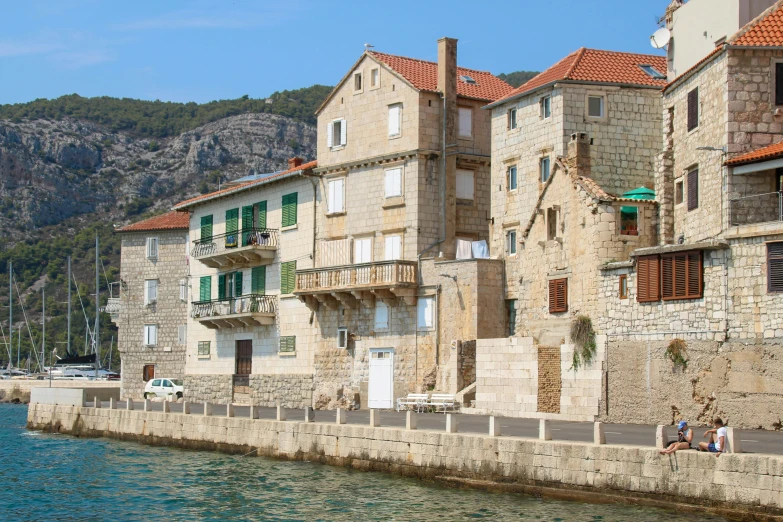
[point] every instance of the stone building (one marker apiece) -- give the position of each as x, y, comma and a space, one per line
150, 306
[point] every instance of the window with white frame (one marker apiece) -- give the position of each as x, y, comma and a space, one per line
393, 183
150, 334
182, 334
150, 291
336, 135
465, 186
392, 247
381, 315
512, 118
335, 202
362, 250
375, 77
546, 107
395, 120
595, 106
152, 248
426, 313
183, 290
511, 242
511, 177
465, 122
543, 167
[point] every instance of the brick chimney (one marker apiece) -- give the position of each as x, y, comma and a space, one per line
447, 85
294, 162
579, 153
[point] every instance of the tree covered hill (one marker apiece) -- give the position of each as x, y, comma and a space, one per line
517, 78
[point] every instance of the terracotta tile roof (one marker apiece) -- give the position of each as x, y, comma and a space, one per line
766, 153
169, 221
595, 66
766, 30
244, 186
424, 76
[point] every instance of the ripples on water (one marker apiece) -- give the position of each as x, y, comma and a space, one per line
56, 477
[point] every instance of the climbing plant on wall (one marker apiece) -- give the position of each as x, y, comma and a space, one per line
583, 338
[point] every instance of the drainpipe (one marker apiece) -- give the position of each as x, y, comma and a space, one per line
313, 180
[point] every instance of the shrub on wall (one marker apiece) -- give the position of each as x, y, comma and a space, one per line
583, 337
677, 352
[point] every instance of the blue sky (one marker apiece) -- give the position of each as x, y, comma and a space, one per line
202, 50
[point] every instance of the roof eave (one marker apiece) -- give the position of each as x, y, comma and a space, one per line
687, 74
231, 192
569, 82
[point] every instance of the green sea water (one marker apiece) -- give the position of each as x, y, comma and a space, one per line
63, 478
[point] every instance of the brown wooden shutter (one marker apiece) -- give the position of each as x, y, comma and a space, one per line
693, 189
693, 109
648, 279
558, 296
667, 277
779, 84
695, 274
775, 267
682, 275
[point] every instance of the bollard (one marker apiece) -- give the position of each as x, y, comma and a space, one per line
207, 409
229, 410
253, 411
375, 418
280, 413
451, 423
599, 437
410, 420
129, 404
112, 403
340, 418
166, 407
544, 432
185, 408
96, 402
494, 426
309, 414
147, 405
733, 443
660, 437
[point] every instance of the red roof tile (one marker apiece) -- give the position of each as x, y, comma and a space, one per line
763, 154
766, 30
696, 66
169, 221
595, 66
424, 76
244, 186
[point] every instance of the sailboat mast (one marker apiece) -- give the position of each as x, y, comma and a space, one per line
68, 342
97, 307
10, 313
43, 329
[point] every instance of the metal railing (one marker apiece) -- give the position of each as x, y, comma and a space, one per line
223, 243
357, 276
251, 303
758, 208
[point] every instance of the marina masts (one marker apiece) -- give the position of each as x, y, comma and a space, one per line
68, 341
97, 306
10, 313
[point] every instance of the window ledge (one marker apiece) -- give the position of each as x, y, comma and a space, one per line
286, 354
395, 137
466, 202
393, 202
204, 357
336, 148
336, 214
292, 227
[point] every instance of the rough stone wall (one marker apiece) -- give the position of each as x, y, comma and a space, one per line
169, 313
467, 364
290, 391
216, 388
549, 383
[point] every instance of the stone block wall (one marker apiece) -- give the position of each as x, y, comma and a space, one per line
549, 383
216, 388
290, 391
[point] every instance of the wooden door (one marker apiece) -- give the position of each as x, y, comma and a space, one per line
149, 372
244, 357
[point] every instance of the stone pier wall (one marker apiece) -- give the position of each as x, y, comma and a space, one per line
215, 388
290, 391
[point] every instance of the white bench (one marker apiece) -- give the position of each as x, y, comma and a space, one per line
413, 400
443, 401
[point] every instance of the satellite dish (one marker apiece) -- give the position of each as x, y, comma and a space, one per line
660, 38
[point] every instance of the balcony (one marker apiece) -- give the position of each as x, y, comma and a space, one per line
113, 307
254, 246
351, 285
237, 312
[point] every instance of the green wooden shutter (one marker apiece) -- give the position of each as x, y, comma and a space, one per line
222, 286
205, 288
287, 277
262, 214
206, 228
247, 224
237, 284
258, 280
232, 227
288, 344
289, 209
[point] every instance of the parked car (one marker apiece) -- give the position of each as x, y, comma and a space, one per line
167, 388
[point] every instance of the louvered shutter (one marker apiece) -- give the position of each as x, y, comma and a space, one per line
287, 277
288, 344
237, 284
205, 288
335, 201
258, 280
329, 134
261, 214
693, 109
465, 184
648, 283
222, 286
682, 275
693, 189
206, 228
343, 132
668, 289
775, 267
694, 274
779, 84
394, 120
465, 122
558, 296
247, 224
289, 209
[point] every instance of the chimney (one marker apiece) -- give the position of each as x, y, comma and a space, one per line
294, 162
447, 83
579, 153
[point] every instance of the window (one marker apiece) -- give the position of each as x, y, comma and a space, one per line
546, 107
511, 310
150, 334
512, 119
288, 344
236, 277
357, 82
183, 290
335, 202
653, 72
148, 373
393, 247
150, 291
289, 209
336, 135
629, 221
681, 275
393, 183
232, 227
679, 192
152, 248
551, 224
623, 287
205, 288
511, 242
203, 347
206, 228
395, 120
261, 214
287, 277
693, 109
467, 79
693, 189
425, 309
543, 167
258, 280
465, 123
648, 279
558, 296
465, 184
342, 337
775, 267
362, 250
595, 106
375, 77
381, 315
511, 178
182, 335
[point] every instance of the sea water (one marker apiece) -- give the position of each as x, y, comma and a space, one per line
59, 477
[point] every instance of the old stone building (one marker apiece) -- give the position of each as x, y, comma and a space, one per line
150, 305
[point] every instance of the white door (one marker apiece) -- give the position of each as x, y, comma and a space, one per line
381, 385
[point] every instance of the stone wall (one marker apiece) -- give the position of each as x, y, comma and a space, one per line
216, 388
549, 382
290, 391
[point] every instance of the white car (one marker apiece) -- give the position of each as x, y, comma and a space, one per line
166, 388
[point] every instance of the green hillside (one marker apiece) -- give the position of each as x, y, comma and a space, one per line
515, 79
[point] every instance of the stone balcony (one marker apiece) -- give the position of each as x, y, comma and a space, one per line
351, 285
253, 247
113, 308
236, 312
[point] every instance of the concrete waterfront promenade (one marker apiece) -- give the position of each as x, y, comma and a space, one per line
738, 485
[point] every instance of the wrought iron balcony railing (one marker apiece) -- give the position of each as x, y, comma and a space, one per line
246, 310
240, 247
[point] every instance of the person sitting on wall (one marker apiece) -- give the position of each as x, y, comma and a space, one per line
717, 438
684, 439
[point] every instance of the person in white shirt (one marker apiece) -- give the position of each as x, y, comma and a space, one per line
717, 438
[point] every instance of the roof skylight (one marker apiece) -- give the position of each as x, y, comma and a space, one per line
653, 72
467, 79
